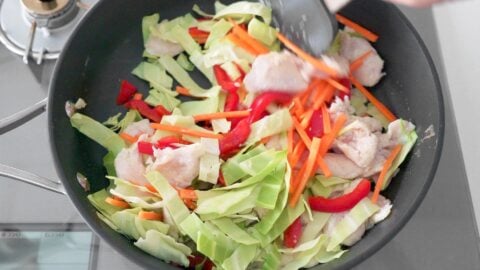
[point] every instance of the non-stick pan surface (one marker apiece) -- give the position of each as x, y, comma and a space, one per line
107, 45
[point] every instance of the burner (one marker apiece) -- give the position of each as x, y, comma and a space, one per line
39, 28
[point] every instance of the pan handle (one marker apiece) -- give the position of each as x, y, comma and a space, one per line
17, 119
31, 179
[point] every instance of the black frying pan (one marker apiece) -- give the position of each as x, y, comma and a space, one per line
107, 45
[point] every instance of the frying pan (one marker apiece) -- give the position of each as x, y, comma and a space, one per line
107, 45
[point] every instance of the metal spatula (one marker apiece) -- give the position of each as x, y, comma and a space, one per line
309, 23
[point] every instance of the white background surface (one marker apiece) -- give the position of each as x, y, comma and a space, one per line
458, 26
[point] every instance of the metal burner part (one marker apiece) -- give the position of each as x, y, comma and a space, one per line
50, 13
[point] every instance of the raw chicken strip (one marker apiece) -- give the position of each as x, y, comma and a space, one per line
180, 166
129, 165
139, 128
159, 47
358, 144
342, 167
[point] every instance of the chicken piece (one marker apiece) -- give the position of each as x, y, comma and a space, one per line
159, 47
358, 144
373, 124
385, 210
396, 132
179, 166
340, 106
342, 167
370, 73
129, 165
336, 62
377, 163
139, 128
276, 72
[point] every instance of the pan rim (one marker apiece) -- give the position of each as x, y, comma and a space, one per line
344, 264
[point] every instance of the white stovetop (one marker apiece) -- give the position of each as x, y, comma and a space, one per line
458, 27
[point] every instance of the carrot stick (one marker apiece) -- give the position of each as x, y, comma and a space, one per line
383, 173
357, 63
308, 92
117, 203
319, 64
297, 153
186, 131
241, 33
301, 132
338, 85
220, 115
150, 215
290, 142
241, 43
183, 91
358, 28
379, 105
242, 93
328, 139
187, 194
306, 117
296, 179
299, 109
327, 123
324, 166
309, 168
324, 96
128, 138
151, 188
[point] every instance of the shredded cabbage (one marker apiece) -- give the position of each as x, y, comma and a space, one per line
243, 11
205, 106
164, 247
147, 23
262, 32
219, 30
164, 97
153, 73
233, 231
241, 258
183, 61
276, 123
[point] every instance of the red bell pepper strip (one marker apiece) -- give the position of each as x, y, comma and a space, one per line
260, 104
225, 81
169, 142
145, 148
232, 102
315, 129
127, 90
346, 82
292, 234
161, 110
144, 110
232, 141
221, 179
342, 203
195, 32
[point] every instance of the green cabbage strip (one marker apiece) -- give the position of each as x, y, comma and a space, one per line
320, 190
272, 258
231, 70
278, 122
351, 222
147, 23
210, 162
109, 163
200, 12
410, 140
224, 51
164, 247
324, 256
98, 133
183, 61
220, 204
270, 189
163, 29
303, 254
206, 25
243, 11
164, 97
375, 113
143, 226
154, 73
221, 125
205, 106
181, 36
331, 181
115, 124
256, 164
262, 32
97, 199
231, 169
137, 196
174, 205
219, 30
239, 208
241, 258
125, 222
179, 120
198, 59
358, 102
313, 228
182, 77
232, 230
267, 222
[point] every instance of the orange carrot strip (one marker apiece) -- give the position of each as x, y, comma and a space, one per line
338, 85
151, 188
357, 63
327, 123
299, 109
306, 117
301, 132
117, 203
324, 166
138, 96
220, 115
358, 28
241, 33
379, 105
290, 142
309, 169
242, 93
150, 215
308, 92
294, 181
128, 138
183, 91
186, 131
383, 173
324, 96
297, 153
241, 43
328, 139
319, 64
187, 194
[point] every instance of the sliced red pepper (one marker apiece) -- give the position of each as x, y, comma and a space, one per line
169, 142
161, 110
260, 104
292, 234
346, 82
145, 148
127, 90
221, 179
315, 129
200, 36
224, 80
235, 138
208, 265
144, 110
342, 203
240, 69
196, 260
232, 102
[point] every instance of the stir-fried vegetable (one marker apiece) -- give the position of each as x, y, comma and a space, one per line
235, 170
